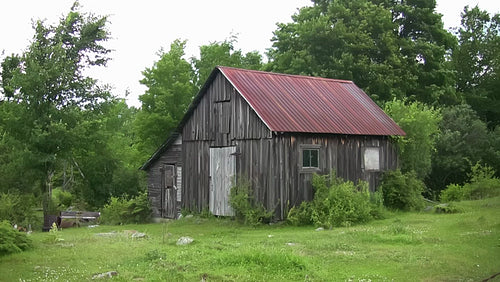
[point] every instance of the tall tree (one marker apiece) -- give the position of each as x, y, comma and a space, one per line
171, 87
477, 63
223, 54
421, 124
463, 140
47, 96
391, 49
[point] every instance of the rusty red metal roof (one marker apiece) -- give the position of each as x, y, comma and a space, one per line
294, 103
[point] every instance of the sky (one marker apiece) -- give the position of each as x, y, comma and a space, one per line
139, 29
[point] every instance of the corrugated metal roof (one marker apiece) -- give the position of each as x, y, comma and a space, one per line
294, 103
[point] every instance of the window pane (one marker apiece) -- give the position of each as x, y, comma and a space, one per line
306, 158
314, 158
372, 159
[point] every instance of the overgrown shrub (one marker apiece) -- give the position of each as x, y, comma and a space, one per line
447, 208
245, 207
301, 215
339, 203
402, 191
18, 209
125, 211
62, 199
377, 205
453, 192
11, 240
482, 184
336, 203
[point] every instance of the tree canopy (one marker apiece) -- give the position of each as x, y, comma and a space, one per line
391, 49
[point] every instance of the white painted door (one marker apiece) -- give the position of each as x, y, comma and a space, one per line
222, 171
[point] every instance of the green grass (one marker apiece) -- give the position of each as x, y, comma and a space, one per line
404, 247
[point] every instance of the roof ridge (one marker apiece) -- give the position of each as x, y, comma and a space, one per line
221, 68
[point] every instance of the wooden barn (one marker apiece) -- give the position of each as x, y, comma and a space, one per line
277, 130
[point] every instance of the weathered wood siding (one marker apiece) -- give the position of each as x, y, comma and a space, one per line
336, 152
171, 156
271, 161
221, 118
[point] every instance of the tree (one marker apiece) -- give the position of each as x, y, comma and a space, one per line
391, 49
420, 122
47, 96
462, 142
477, 63
223, 54
171, 87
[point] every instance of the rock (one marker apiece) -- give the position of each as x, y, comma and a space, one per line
105, 275
270, 236
185, 241
189, 216
107, 234
291, 244
139, 235
320, 229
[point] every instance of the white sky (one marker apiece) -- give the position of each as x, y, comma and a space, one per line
140, 28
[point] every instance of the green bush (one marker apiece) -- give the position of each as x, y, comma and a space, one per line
301, 215
123, 211
339, 203
18, 209
61, 199
453, 192
447, 208
402, 191
377, 205
483, 184
245, 207
11, 240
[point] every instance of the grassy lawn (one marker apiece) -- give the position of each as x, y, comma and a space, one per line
404, 247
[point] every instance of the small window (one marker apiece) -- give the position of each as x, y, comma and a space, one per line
310, 158
372, 158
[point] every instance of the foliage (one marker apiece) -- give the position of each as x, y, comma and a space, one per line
48, 99
391, 49
402, 191
477, 62
463, 140
453, 192
339, 203
447, 208
11, 240
18, 209
223, 54
301, 215
62, 199
420, 122
170, 89
125, 211
482, 184
244, 205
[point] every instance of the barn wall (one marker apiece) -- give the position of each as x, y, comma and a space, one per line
222, 118
337, 152
171, 156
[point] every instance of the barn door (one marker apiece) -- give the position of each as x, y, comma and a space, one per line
222, 171
169, 207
